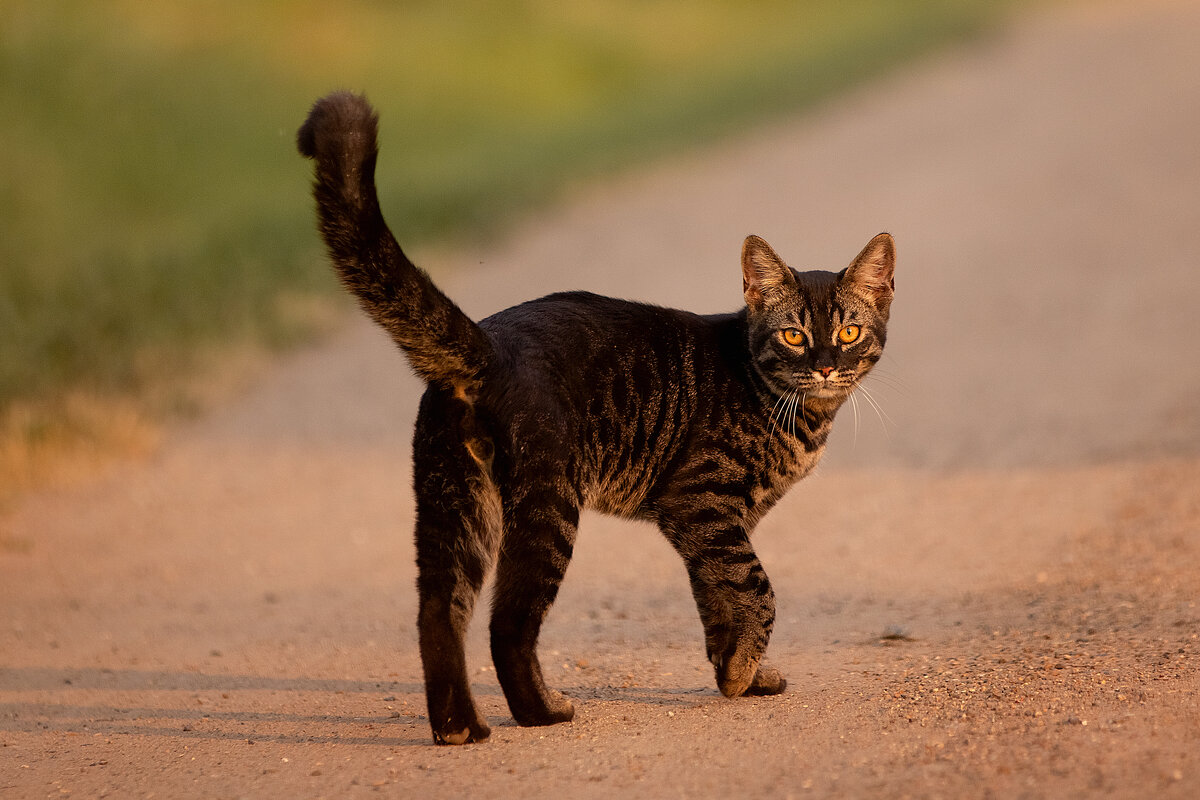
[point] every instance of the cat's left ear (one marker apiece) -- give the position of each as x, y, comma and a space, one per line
763, 272
871, 274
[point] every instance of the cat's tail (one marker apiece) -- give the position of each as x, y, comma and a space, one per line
443, 344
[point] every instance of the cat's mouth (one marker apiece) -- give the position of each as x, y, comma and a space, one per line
828, 392
823, 387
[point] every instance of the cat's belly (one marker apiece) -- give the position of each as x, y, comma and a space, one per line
621, 496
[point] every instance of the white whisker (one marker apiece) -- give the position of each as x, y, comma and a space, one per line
875, 402
884, 419
854, 404
791, 420
884, 375
787, 411
893, 383
774, 415
800, 409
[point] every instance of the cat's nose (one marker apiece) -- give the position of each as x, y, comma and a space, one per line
825, 371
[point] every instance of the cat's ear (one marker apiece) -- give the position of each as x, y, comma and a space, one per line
763, 272
871, 273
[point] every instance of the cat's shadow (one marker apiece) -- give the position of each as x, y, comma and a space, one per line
643, 695
213, 708
216, 708
662, 697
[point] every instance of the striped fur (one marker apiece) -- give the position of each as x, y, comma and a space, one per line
696, 423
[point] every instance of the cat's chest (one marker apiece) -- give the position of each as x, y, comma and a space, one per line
786, 464
797, 462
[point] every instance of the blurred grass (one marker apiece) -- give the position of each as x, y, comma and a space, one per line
155, 218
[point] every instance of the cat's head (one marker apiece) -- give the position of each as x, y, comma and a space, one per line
817, 332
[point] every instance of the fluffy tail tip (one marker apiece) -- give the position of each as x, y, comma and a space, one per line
342, 119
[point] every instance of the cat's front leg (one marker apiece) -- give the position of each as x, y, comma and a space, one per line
736, 605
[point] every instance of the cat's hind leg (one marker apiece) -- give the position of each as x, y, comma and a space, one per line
539, 535
457, 532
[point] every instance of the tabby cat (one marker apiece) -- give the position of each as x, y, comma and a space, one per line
696, 423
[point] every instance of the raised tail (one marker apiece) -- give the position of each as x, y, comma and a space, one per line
443, 344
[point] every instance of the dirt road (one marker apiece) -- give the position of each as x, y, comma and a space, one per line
994, 594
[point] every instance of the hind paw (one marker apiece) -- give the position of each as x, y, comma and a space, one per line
556, 708
458, 733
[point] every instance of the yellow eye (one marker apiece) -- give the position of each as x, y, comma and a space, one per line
794, 337
849, 334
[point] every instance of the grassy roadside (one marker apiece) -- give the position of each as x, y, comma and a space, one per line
155, 225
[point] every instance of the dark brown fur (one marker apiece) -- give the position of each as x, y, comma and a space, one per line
697, 423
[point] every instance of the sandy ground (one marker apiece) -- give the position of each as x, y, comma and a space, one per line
235, 618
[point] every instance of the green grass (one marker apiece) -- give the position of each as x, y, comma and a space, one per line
153, 207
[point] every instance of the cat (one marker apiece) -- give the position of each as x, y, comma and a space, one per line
698, 424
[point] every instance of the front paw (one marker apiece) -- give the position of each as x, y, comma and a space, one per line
736, 675
746, 678
766, 681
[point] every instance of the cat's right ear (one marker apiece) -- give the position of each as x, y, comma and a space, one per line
763, 272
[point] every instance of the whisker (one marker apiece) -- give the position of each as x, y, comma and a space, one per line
893, 383
854, 403
798, 419
791, 420
883, 374
875, 402
774, 415
787, 411
884, 419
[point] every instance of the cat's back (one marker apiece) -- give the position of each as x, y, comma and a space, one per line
577, 331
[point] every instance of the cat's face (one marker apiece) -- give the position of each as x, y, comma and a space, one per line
817, 333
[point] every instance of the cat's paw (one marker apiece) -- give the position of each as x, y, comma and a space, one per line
736, 675
453, 732
767, 681
554, 709
745, 677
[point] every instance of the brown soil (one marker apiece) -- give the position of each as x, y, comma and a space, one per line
993, 594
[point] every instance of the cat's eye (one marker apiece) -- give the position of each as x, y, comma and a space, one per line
849, 334
794, 337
